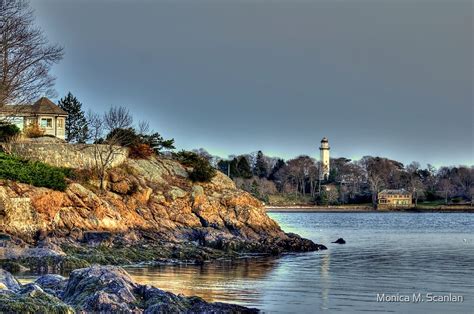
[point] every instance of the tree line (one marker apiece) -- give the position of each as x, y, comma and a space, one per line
349, 181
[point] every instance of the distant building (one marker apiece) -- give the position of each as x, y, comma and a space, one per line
324, 159
44, 112
394, 198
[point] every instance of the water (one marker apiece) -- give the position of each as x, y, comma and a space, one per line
387, 253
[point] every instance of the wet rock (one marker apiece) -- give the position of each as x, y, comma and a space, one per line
8, 282
100, 288
31, 290
96, 238
322, 247
51, 283
32, 299
340, 241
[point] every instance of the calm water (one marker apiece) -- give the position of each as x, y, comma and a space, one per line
388, 253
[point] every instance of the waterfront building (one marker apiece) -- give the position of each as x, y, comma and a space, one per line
394, 198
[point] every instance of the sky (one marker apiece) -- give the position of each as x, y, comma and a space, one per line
377, 77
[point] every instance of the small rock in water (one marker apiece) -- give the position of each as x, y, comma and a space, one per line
340, 241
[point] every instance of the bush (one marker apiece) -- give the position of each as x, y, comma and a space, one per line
34, 173
140, 151
8, 131
34, 131
202, 170
130, 137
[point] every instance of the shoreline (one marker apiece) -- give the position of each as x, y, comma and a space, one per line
365, 209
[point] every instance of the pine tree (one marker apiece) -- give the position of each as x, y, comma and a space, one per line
279, 164
243, 168
260, 169
76, 122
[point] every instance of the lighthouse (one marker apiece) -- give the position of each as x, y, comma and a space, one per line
324, 159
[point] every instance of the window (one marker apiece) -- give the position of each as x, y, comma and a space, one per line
46, 123
60, 123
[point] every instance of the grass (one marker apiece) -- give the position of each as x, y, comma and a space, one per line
33, 172
289, 200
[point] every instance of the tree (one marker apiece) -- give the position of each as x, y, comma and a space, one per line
243, 168
26, 55
261, 166
106, 150
380, 173
414, 180
202, 170
76, 123
280, 163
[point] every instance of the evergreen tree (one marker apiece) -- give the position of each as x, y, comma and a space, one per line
278, 165
76, 122
260, 169
234, 171
243, 168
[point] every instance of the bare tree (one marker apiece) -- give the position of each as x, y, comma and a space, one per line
414, 181
26, 55
108, 144
379, 172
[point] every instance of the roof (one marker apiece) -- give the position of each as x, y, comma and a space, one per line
325, 139
401, 191
42, 106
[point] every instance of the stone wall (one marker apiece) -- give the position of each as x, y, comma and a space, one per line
67, 155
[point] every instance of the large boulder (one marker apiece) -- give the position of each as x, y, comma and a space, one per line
101, 289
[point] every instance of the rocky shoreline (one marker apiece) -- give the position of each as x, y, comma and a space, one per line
62, 255
104, 289
150, 213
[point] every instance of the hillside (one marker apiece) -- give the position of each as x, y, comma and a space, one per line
151, 211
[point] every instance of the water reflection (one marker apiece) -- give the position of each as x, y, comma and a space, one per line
385, 253
325, 280
220, 281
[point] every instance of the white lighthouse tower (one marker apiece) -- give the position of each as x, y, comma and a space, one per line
324, 159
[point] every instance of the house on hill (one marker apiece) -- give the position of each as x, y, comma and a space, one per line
394, 199
43, 112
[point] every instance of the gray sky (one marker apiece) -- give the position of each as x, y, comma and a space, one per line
382, 77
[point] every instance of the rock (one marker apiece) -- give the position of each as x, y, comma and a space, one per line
101, 289
32, 299
340, 241
176, 193
31, 290
121, 187
110, 289
96, 238
51, 283
8, 282
153, 199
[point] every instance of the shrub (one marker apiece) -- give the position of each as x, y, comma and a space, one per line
130, 137
8, 131
202, 170
33, 131
31, 172
140, 151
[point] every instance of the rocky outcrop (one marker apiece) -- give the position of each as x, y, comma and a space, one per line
150, 210
102, 289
